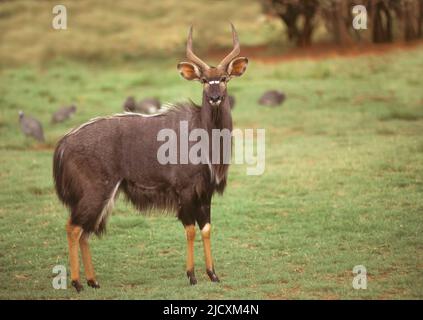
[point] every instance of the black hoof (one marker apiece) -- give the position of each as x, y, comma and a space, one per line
212, 275
93, 284
191, 277
77, 285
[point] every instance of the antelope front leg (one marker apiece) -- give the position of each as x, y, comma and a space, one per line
206, 234
190, 234
74, 233
88, 264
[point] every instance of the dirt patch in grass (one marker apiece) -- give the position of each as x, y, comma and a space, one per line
401, 115
320, 51
286, 293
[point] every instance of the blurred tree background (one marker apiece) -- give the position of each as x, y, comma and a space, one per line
110, 31
388, 20
127, 30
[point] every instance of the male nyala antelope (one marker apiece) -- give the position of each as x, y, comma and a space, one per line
119, 153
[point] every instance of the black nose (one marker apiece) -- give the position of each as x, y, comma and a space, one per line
215, 98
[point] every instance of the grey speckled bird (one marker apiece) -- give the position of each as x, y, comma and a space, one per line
31, 127
149, 105
272, 98
63, 114
145, 106
130, 104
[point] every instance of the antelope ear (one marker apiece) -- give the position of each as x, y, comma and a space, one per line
237, 66
189, 71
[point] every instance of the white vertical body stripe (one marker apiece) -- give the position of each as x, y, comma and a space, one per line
108, 206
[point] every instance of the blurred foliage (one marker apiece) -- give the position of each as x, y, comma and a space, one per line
388, 20
105, 30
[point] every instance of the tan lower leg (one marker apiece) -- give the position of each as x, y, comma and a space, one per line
86, 257
190, 234
73, 233
205, 234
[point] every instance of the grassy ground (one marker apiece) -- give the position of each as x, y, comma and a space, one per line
343, 185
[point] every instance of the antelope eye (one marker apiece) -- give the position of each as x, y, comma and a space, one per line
223, 79
203, 80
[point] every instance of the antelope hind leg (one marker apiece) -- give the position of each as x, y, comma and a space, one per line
86, 259
73, 234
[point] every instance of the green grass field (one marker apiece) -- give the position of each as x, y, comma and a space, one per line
343, 184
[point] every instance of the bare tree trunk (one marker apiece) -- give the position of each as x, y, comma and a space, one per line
289, 16
420, 20
381, 22
411, 19
308, 27
292, 12
409, 16
340, 22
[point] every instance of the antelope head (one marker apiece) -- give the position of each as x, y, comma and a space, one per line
213, 79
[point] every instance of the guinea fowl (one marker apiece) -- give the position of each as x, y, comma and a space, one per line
31, 127
149, 105
145, 106
63, 114
130, 104
272, 98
